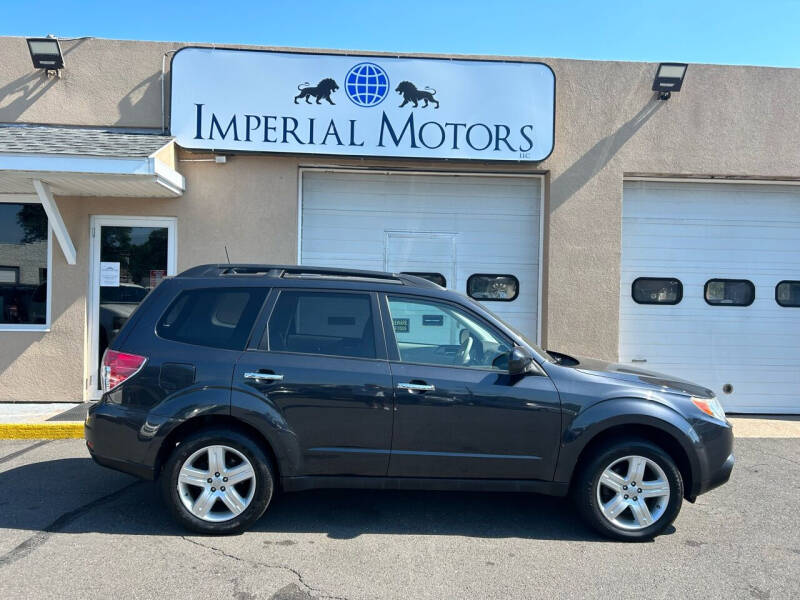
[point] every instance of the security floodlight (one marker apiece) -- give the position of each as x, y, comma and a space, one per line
669, 78
46, 53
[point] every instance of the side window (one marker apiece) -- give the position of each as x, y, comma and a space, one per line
787, 293
656, 290
438, 333
330, 323
218, 317
436, 278
490, 287
729, 292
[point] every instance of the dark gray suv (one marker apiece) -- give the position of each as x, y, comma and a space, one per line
230, 382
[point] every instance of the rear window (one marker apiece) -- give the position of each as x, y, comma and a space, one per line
330, 323
787, 293
657, 290
218, 317
729, 292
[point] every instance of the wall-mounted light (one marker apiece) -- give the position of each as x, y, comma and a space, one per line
46, 54
669, 78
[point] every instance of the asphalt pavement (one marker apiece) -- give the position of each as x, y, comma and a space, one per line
72, 529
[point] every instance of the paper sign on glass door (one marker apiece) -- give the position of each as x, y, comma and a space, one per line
109, 274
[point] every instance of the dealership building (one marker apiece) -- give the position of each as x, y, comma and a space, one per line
594, 213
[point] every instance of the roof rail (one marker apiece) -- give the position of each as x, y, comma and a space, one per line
301, 271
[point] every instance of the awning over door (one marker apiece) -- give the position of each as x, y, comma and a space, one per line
37, 163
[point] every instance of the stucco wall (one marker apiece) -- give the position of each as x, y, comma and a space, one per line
727, 121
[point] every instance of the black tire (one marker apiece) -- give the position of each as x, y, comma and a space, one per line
585, 492
264, 481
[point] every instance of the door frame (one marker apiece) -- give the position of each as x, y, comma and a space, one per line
91, 389
443, 173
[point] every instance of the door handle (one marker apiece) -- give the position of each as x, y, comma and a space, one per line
639, 360
263, 376
416, 387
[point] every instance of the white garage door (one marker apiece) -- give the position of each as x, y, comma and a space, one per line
456, 226
734, 245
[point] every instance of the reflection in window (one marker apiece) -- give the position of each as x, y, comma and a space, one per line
656, 290
489, 287
787, 293
23, 264
730, 292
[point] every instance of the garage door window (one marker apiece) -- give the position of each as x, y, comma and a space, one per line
730, 292
657, 290
436, 278
489, 287
787, 293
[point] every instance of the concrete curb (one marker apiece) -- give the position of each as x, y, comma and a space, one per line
41, 431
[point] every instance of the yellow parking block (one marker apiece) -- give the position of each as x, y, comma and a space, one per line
40, 431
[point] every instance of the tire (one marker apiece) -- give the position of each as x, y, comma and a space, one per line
617, 463
185, 479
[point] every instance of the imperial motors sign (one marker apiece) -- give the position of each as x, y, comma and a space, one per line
242, 100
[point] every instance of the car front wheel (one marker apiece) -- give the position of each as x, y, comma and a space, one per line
630, 490
217, 482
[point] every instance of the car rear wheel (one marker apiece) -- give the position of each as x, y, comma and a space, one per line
629, 490
217, 482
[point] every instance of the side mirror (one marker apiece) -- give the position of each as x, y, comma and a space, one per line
519, 361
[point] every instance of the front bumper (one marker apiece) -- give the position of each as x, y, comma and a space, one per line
715, 456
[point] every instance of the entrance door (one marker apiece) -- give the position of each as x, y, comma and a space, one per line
129, 257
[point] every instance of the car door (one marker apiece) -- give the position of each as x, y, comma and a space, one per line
321, 365
458, 412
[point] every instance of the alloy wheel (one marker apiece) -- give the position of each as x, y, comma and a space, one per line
633, 492
216, 483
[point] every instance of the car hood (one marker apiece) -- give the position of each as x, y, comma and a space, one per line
638, 376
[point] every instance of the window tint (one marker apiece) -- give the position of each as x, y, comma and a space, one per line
440, 334
23, 264
656, 290
489, 287
436, 278
331, 323
787, 293
220, 317
730, 292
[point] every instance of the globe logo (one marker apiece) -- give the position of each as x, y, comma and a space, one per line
366, 84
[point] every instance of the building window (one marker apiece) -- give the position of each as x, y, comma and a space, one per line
491, 287
729, 292
436, 278
787, 293
656, 290
24, 252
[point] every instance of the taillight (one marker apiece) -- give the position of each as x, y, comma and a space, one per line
119, 366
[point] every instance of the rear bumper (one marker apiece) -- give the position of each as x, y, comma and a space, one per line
117, 438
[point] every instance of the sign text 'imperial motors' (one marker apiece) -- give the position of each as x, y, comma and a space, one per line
330, 104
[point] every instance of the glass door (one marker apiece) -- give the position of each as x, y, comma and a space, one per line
130, 257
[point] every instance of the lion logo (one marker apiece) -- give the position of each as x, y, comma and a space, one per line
321, 91
411, 94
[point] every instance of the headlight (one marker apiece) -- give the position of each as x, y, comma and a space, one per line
711, 407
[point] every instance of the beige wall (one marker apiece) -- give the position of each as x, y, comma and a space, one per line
727, 121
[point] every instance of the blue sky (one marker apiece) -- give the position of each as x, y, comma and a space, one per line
728, 32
